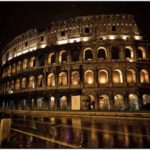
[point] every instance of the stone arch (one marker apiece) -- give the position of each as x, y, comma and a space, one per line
103, 77
102, 53
103, 102
40, 81
131, 76
88, 54
17, 84
19, 66
12, 85
89, 77
75, 54
51, 80
62, 79
8, 86
23, 83
52, 103
119, 102
129, 52
146, 99
75, 78
14, 68
25, 64
141, 52
115, 54
32, 82
144, 76
133, 102
32, 62
63, 103
117, 76
51, 58
63, 56
9, 70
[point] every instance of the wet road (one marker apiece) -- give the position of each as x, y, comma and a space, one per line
55, 132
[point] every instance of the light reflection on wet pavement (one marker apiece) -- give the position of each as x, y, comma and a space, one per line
67, 132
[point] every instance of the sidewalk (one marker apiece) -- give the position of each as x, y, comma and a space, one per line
94, 114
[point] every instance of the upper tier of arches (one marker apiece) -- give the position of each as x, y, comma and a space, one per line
88, 54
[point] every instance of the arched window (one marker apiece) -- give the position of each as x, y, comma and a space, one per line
89, 77
32, 62
141, 52
88, 54
75, 78
25, 64
146, 99
133, 102
40, 103
101, 53
117, 76
129, 52
41, 59
17, 84
19, 66
12, 85
52, 103
51, 58
63, 104
119, 102
144, 76
75, 53
62, 79
14, 68
8, 86
63, 56
9, 70
131, 76
103, 103
103, 77
51, 80
115, 53
23, 84
40, 81
32, 82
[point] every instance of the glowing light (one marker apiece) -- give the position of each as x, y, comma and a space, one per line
85, 39
130, 60
62, 42
43, 46
137, 37
104, 37
33, 49
74, 40
33, 85
111, 37
90, 80
25, 51
19, 53
10, 92
124, 37
9, 58
52, 99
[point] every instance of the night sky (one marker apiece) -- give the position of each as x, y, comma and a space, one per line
18, 17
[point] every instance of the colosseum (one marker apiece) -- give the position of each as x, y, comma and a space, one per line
95, 62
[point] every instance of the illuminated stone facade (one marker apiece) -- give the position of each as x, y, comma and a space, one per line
96, 62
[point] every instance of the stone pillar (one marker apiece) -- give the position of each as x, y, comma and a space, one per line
111, 101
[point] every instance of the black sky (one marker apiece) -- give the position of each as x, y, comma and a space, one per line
17, 17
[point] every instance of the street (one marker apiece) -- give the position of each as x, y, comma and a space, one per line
67, 132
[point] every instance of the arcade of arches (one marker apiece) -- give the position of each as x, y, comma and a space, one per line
102, 103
